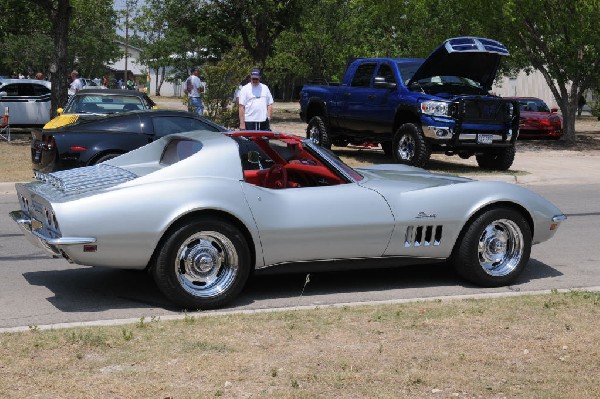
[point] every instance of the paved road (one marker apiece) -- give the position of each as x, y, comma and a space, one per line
37, 290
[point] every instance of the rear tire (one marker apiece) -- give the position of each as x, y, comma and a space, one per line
494, 248
203, 264
316, 131
103, 158
409, 146
501, 159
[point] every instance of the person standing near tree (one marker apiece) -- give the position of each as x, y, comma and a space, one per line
255, 104
76, 84
195, 88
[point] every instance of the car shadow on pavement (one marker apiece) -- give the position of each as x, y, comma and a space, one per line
89, 289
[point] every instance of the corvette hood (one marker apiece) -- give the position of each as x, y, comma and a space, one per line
404, 178
469, 57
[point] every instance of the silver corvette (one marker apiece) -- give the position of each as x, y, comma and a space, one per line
202, 210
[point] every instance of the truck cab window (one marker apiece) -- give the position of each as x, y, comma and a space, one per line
363, 75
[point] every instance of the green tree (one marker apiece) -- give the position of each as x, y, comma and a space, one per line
562, 41
59, 13
170, 36
92, 36
257, 23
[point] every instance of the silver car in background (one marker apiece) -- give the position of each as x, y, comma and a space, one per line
202, 210
28, 101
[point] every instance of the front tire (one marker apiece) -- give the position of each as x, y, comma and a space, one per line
316, 131
204, 264
498, 160
494, 248
409, 146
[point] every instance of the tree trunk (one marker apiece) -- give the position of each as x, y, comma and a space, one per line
59, 12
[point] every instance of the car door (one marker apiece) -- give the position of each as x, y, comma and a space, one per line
357, 100
383, 101
313, 223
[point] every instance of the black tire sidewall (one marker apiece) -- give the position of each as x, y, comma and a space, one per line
422, 151
498, 160
319, 123
164, 271
465, 258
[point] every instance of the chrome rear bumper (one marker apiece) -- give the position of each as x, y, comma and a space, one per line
41, 237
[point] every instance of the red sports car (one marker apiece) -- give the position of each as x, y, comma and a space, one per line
537, 120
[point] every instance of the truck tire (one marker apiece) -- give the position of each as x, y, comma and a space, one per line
498, 160
409, 146
317, 132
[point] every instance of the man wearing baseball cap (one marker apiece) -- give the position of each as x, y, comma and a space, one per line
255, 104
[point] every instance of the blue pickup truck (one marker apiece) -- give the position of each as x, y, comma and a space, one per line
413, 107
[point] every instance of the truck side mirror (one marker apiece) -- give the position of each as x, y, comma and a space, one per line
381, 83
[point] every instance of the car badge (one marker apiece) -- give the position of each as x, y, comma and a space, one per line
423, 215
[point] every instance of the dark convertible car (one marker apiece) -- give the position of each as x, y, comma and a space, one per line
88, 142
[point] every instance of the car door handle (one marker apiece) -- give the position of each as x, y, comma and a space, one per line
347, 94
372, 96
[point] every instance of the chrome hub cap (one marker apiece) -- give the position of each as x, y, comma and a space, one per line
500, 247
206, 264
314, 135
406, 148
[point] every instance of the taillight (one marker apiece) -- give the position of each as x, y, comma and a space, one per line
77, 148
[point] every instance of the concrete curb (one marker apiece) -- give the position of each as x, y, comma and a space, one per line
117, 322
7, 188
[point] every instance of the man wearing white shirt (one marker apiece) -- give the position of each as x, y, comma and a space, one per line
195, 88
77, 84
255, 104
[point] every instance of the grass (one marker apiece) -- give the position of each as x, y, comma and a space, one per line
539, 346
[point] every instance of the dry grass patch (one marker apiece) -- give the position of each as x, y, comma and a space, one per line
543, 346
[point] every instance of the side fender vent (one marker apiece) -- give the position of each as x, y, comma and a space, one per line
423, 236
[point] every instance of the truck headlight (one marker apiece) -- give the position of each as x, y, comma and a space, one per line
437, 108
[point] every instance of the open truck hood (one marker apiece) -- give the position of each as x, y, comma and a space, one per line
469, 57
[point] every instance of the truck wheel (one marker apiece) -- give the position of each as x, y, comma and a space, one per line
317, 132
498, 160
409, 146
494, 248
204, 264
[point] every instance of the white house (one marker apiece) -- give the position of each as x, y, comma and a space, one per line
523, 85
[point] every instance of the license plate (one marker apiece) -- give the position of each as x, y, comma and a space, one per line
485, 138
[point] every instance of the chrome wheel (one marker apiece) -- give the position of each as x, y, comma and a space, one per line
501, 247
314, 135
494, 247
406, 148
206, 264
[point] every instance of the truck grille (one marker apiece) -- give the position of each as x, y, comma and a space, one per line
484, 111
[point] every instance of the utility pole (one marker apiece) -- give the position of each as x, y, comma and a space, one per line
127, 2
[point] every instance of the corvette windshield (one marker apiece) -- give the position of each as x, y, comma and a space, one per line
333, 160
101, 104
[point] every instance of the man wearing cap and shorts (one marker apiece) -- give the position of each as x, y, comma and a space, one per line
194, 88
255, 104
